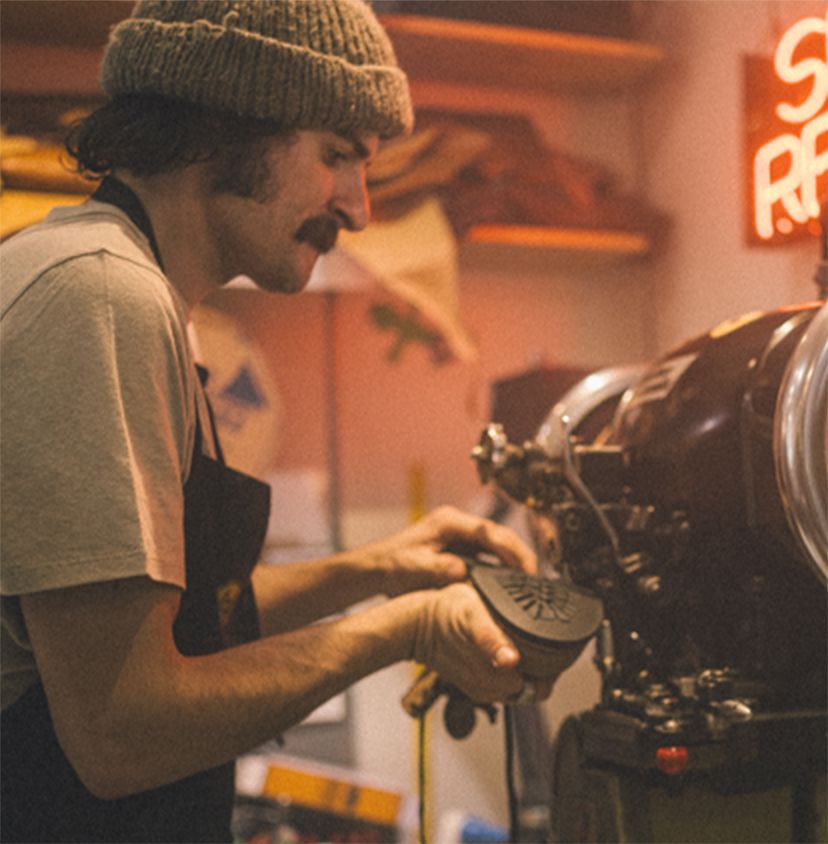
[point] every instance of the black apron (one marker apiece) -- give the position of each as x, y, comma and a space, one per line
225, 520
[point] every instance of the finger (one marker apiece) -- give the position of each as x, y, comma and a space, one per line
484, 534
450, 568
508, 547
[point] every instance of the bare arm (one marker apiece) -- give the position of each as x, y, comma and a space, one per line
290, 596
132, 713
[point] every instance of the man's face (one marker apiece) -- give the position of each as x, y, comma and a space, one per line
314, 185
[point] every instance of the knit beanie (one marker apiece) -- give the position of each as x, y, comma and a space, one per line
305, 64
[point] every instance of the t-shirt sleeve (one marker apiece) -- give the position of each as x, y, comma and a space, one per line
97, 412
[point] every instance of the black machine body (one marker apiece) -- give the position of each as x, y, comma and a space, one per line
691, 497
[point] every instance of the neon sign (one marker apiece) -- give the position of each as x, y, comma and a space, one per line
788, 148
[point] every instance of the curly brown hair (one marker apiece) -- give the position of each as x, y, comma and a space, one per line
149, 134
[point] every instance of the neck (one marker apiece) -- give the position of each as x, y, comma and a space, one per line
173, 204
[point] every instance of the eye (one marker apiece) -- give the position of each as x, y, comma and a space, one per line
333, 156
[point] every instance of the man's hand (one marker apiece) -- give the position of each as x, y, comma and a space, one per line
458, 638
291, 595
417, 558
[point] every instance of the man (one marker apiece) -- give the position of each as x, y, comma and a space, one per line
143, 650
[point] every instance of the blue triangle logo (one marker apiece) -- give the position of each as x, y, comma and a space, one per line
242, 389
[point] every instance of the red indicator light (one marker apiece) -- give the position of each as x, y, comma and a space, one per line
672, 760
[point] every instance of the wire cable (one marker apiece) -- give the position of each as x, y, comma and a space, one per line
509, 752
421, 776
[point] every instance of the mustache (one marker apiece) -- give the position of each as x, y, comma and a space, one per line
320, 232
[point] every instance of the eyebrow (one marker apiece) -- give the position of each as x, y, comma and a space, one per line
359, 148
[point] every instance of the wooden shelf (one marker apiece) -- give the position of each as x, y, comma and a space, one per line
488, 55
492, 62
586, 245
592, 240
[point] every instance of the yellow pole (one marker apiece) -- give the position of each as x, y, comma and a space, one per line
422, 780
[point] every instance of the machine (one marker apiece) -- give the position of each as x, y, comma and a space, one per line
691, 497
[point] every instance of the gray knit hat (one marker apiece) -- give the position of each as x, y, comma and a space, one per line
307, 64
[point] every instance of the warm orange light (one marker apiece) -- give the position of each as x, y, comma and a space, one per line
786, 168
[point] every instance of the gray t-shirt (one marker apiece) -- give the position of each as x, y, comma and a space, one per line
98, 400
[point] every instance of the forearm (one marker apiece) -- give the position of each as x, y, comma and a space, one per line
261, 689
190, 714
292, 595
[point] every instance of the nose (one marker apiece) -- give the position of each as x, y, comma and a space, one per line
351, 202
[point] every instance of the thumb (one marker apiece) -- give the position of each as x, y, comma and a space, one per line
498, 648
506, 656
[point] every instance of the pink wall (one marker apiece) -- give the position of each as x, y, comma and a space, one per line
395, 415
693, 143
